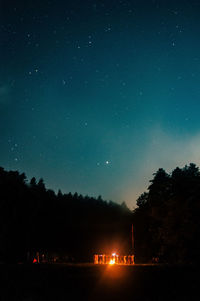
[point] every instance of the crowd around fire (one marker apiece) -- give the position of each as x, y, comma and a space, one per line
113, 259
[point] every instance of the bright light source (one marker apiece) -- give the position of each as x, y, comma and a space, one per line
112, 261
113, 254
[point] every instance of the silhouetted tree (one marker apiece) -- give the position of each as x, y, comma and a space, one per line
170, 212
33, 182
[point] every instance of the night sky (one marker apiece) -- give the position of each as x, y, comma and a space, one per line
95, 96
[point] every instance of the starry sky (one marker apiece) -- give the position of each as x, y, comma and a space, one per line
95, 96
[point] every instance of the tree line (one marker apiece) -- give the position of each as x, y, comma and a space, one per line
166, 220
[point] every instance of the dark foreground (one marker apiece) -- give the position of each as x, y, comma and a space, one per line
88, 282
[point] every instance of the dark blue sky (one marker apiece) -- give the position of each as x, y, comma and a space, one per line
95, 96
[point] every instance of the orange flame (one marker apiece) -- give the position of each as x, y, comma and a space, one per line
112, 261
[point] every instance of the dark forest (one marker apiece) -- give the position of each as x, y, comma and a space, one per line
36, 219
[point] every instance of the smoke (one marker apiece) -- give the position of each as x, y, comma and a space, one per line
163, 150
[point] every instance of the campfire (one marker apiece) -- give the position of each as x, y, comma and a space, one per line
113, 259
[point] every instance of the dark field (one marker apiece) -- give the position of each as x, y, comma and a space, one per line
89, 282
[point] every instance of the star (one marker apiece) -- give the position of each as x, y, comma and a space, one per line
107, 29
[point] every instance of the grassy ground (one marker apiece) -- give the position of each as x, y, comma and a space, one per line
89, 282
